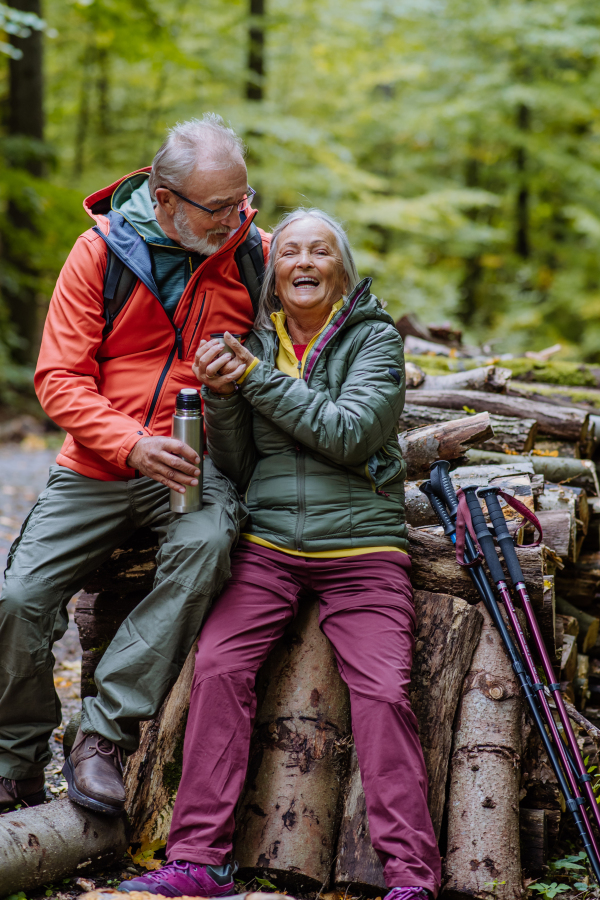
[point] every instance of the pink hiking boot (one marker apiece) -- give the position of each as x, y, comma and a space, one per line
180, 878
408, 893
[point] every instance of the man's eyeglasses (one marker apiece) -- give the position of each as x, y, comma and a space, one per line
218, 215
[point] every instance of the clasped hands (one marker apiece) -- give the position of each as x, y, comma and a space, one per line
169, 461
217, 370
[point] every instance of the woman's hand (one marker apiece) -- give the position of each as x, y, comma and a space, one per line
217, 370
242, 355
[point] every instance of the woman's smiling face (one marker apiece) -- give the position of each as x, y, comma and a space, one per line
309, 270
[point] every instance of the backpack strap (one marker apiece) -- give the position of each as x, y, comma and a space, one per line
251, 264
119, 282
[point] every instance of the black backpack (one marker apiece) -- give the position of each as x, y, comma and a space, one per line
119, 280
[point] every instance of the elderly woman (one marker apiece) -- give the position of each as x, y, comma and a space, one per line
303, 418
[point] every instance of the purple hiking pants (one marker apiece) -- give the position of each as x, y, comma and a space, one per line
367, 613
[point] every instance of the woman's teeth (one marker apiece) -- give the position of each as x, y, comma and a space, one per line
303, 282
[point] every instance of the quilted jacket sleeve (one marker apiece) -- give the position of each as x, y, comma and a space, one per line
228, 424
355, 426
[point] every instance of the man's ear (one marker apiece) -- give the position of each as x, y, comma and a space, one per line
167, 201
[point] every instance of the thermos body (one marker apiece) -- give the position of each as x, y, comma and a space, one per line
188, 427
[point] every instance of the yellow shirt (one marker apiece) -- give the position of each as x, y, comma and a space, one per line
288, 362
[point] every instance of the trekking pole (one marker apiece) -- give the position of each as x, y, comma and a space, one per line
444, 493
490, 495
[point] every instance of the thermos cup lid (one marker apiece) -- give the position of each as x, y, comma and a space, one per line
188, 398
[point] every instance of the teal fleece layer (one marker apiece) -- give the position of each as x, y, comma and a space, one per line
172, 265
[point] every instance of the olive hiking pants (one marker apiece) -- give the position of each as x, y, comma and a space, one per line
73, 528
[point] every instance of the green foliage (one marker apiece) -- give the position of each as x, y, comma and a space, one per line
548, 891
457, 139
21, 24
264, 882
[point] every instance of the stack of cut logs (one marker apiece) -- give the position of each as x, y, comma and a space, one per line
493, 798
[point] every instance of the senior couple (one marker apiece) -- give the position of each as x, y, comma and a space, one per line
301, 423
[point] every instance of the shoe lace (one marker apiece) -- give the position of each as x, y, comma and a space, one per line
104, 747
159, 874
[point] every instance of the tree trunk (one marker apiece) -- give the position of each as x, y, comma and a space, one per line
483, 807
446, 636
43, 843
25, 120
448, 440
557, 469
288, 817
256, 51
510, 434
563, 421
153, 773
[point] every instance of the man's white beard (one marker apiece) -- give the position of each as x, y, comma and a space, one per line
190, 241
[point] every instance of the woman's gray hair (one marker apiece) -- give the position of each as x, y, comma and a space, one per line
206, 139
269, 302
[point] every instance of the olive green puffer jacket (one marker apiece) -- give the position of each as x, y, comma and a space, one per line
318, 456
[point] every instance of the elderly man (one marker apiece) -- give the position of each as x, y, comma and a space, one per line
172, 258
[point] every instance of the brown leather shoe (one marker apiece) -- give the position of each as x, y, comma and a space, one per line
24, 792
94, 773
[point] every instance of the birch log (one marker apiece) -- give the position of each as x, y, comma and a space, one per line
288, 818
43, 843
446, 636
483, 806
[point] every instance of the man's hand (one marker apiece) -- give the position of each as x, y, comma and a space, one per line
217, 370
159, 458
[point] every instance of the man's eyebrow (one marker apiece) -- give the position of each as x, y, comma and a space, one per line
225, 201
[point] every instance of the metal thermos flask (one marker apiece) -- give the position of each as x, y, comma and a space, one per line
187, 427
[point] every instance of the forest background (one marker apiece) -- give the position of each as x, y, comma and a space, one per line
458, 140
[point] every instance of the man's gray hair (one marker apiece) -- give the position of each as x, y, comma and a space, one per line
190, 143
269, 302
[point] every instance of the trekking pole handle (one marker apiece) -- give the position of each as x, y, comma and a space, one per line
442, 484
482, 533
438, 508
490, 495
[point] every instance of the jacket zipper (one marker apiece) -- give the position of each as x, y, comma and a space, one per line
198, 320
300, 466
177, 349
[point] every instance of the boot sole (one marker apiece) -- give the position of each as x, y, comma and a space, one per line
31, 800
82, 799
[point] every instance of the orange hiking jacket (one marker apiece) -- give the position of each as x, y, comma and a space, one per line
107, 392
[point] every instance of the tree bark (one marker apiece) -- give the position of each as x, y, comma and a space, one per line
563, 421
579, 583
447, 633
568, 660
560, 533
153, 773
288, 817
256, 51
25, 121
534, 841
483, 807
43, 843
448, 440
557, 469
571, 499
510, 434
587, 631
